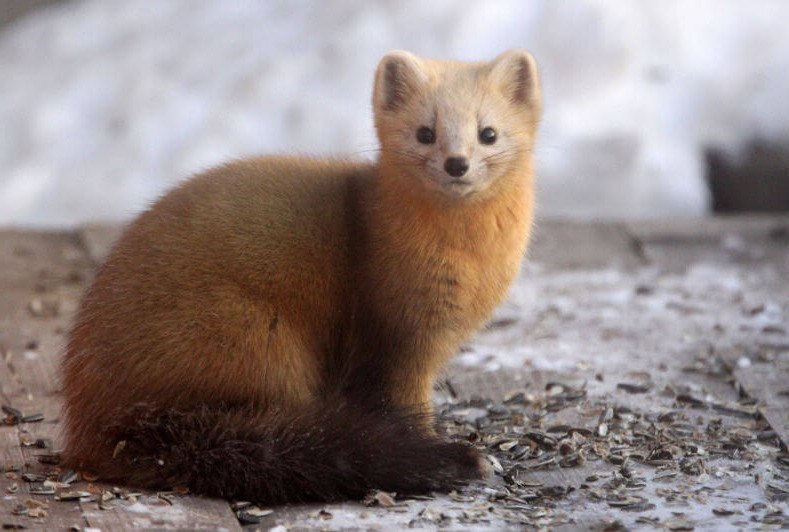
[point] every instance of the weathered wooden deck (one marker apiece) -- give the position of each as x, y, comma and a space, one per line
637, 377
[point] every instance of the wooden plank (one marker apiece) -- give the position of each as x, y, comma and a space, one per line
31, 339
44, 275
41, 264
749, 242
152, 512
567, 244
58, 515
774, 226
12, 487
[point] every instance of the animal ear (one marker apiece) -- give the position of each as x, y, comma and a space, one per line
515, 72
398, 77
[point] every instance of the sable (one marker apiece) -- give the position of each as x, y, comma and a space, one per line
271, 330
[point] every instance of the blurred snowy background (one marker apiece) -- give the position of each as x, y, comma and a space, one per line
106, 103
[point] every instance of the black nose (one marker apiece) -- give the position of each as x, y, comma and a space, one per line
456, 166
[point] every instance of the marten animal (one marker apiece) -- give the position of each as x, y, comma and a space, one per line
271, 329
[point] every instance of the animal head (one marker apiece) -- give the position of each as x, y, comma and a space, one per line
456, 127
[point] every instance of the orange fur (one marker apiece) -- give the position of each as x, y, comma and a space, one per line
278, 282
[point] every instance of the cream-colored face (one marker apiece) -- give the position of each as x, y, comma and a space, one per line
456, 127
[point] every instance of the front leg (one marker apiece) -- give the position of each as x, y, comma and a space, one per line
411, 380
392, 381
394, 364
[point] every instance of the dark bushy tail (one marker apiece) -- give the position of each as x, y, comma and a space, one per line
322, 453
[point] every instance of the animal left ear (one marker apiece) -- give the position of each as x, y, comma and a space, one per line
515, 72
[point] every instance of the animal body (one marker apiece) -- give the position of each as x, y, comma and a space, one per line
271, 330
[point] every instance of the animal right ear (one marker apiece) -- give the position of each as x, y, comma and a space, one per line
399, 76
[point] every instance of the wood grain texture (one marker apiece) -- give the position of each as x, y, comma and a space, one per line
55, 267
42, 276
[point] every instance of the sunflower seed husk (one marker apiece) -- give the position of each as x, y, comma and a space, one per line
11, 411
32, 418
630, 387
68, 476
252, 514
42, 490
72, 496
379, 498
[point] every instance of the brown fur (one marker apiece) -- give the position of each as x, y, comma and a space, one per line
297, 294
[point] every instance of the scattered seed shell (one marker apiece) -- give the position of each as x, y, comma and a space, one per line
379, 498
630, 387
41, 490
72, 496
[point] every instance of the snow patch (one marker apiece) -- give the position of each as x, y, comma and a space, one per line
107, 103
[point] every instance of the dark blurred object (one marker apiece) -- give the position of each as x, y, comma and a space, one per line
11, 10
756, 182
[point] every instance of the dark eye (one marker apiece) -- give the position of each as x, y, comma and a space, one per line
487, 135
425, 135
